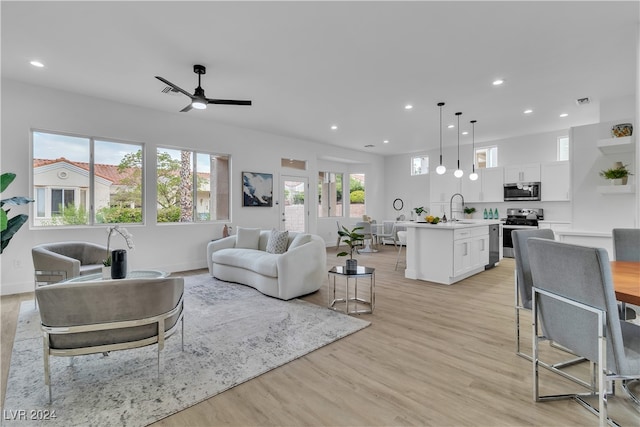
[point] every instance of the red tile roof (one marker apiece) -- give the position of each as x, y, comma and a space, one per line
108, 172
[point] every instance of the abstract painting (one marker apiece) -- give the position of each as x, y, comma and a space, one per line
257, 189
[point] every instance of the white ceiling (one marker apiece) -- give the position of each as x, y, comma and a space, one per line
308, 65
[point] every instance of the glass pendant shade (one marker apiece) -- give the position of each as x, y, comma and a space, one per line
441, 169
458, 173
474, 175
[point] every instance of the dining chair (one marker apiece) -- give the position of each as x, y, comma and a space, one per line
402, 241
523, 284
574, 305
366, 230
388, 232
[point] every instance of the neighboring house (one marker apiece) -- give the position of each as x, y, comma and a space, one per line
59, 183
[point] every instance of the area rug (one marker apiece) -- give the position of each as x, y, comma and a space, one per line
232, 333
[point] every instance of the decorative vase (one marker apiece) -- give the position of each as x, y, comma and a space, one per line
106, 272
352, 265
622, 130
468, 216
119, 264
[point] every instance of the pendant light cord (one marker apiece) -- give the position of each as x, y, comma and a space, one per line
458, 114
473, 143
440, 104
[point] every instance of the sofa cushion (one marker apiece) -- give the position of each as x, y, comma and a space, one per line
300, 240
277, 243
249, 259
248, 238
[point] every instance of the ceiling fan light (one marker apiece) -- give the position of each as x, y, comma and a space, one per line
199, 104
440, 170
458, 173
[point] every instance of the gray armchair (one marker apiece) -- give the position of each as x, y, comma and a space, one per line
108, 315
54, 262
574, 304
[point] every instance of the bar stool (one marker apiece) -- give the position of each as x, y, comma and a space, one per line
402, 239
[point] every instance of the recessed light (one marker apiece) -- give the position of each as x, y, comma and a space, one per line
386, 141
37, 64
498, 82
563, 115
408, 107
334, 127
528, 111
465, 133
450, 126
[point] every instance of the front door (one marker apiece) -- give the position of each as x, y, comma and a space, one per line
294, 209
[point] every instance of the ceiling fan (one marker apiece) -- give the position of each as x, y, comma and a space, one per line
198, 100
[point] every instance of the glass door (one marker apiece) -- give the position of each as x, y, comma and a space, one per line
294, 211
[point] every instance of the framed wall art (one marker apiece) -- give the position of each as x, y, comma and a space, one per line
257, 189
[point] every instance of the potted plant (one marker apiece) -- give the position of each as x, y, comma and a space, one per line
468, 211
618, 174
10, 226
420, 211
352, 238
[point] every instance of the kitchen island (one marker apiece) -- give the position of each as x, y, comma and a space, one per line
447, 252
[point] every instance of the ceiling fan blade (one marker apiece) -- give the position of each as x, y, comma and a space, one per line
187, 108
228, 102
167, 82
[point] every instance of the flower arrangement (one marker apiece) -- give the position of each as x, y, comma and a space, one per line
128, 237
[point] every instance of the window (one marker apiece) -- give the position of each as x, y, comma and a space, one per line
487, 157
563, 148
185, 196
294, 164
420, 165
356, 195
71, 189
330, 194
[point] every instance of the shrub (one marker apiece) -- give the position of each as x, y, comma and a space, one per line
357, 196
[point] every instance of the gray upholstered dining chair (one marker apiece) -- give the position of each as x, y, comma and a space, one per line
523, 296
366, 230
574, 305
626, 244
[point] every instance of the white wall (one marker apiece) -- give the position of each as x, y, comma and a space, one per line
170, 247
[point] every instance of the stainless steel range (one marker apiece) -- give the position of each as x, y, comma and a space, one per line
518, 219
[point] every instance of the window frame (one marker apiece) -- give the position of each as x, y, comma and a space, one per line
487, 150
194, 186
424, 157
79, 191
321, 180
559, 149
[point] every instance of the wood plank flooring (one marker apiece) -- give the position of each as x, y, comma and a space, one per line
434, 355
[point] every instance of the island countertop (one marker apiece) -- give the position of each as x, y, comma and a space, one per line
463, 223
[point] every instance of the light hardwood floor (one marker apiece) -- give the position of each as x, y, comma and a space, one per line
433, 355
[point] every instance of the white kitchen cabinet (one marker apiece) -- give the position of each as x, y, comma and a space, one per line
442, 187
487, 188
522, 173
446, 253
556, 181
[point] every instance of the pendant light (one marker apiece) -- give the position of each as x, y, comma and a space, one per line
458, 173
441, 169
474, 175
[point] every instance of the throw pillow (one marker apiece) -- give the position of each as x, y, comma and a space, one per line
247, 238
277, 243
300, 240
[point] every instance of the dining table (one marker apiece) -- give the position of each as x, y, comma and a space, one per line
626, 281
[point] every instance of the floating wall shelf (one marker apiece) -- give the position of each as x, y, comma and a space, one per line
624, 144
617, 189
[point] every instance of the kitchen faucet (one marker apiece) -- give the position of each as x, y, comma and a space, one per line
453, 218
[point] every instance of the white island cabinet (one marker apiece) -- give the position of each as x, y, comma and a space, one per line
447, 253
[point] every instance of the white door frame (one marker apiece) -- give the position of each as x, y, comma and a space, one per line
283, 179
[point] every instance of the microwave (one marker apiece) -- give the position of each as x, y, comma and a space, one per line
522, 191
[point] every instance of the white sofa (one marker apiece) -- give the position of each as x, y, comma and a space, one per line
300, 270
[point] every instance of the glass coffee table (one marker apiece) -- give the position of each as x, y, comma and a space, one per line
355, 304
133, 274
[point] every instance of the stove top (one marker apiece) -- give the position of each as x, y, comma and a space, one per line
524, 216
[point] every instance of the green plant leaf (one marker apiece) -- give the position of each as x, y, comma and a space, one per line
15, 201
5, 180
13, 225
3, 220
